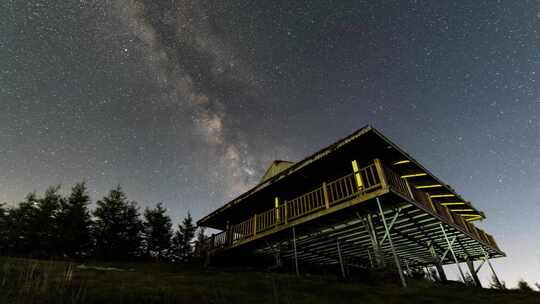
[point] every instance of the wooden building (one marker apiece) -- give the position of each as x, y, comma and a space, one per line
361, 202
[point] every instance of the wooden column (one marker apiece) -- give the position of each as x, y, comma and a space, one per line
255, 224
380, 172
325, 193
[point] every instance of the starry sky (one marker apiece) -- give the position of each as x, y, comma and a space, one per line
187, 102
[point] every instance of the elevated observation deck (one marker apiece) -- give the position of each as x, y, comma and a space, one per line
385, 204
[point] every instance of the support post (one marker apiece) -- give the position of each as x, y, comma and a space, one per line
370, 259
396, 259
377, 250
295, 254
486, 257
255, 224
340, 259
453, 253
228, 234
438, 263
325, 194
380, 172
285, 212
474, 275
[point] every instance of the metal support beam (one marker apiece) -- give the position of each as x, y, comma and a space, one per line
396, 259
470, 264
390, 226
453, 254
437, 261
295, 254
340, 259
370, 258
486, 258
377, 250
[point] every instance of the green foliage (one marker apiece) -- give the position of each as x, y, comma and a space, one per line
496, 284
117, 227
45, 223
75, 223
524, 286
182, 247
4, 240
157, 232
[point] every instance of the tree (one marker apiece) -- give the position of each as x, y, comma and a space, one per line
537, 286
45, 224
21, 233
201, 238
157, 232
117, 227
75, 223
3, 229
496, 284
524, 286
182, 248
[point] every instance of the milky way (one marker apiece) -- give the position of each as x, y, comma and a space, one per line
187, 102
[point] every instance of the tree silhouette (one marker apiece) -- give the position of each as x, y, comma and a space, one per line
45, 223
22, 233
496, 284
201, 241
157, 232
75, 223
524, 286
117, 227
3, 230
182, 248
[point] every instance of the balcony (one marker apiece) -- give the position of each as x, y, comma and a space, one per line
363, 184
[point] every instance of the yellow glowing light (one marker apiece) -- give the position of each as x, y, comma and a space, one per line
474, 219
462, 210
406, 161
413, 175
469, 215
429, 186
452, 203
442, 195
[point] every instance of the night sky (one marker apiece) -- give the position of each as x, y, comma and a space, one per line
187, 102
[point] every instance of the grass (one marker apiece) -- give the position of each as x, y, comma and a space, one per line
34, 281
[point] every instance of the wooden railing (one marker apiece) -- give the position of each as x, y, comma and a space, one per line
396, 182
328, 194
304, 204
336, 192
242, 230
400, 185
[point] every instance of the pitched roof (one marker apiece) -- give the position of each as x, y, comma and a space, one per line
275, 168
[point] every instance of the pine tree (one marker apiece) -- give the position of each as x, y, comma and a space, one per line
201, 242
496, 284
22, 234
3, 230
45, 224
75, 223
524, 286
182, 239
157, 232
117, 228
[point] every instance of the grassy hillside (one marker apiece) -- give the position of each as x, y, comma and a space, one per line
31, 281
